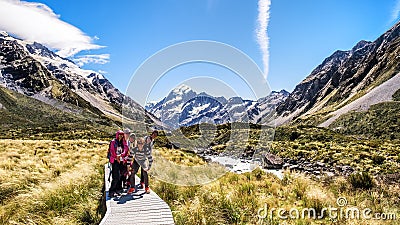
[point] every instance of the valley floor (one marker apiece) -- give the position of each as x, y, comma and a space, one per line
60, 182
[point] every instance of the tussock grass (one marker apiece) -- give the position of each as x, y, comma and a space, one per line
186, 169
179, 157
381, 121
363, 155
237, 198
51, 182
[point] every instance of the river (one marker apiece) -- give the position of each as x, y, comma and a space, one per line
241, 166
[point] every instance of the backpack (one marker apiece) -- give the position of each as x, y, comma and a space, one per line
109, 148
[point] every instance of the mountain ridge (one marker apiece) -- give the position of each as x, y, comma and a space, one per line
32, 69
343, 77
185, 107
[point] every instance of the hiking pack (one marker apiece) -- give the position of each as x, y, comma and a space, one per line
109, 147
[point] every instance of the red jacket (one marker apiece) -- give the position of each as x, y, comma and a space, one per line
113, 148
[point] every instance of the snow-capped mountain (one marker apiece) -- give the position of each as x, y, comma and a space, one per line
185, 107
33, 70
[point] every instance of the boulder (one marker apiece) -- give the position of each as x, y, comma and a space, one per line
286, 166
293, 167
271, 161
173, 145
248, 152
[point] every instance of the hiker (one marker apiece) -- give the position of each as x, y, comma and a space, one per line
127, 133
150, 139
138, 157
131, 145
124, 171
148, 143
118, 151
132, 141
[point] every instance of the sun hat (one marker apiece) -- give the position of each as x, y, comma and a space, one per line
127, 131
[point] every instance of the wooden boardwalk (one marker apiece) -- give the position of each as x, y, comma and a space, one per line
137, 208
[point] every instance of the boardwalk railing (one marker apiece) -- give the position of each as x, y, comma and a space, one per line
136, 208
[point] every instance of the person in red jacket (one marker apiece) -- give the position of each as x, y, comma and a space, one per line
118, 151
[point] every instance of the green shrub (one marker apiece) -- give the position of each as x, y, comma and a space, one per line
314, 203
294, 135
299, 189
258, 173
361, 180
231, 212
246, 189
168, 192
378, 159
396, 95
286, 180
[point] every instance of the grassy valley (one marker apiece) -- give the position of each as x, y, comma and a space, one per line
52, 160
52, 172
60, 181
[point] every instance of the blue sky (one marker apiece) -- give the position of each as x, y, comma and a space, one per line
121, 35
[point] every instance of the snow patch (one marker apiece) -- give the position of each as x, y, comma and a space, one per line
181, 89
199, 109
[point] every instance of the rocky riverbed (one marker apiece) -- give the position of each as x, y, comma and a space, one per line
275, 164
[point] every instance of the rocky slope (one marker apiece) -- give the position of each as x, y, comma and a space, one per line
35, 71
25, 117
382, 93
344, 77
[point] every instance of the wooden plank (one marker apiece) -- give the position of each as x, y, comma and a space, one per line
136, 208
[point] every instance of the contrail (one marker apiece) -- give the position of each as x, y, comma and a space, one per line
261, 32
395, 12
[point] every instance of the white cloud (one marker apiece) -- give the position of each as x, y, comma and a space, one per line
37, 22
261, 32
97, 59
395, 12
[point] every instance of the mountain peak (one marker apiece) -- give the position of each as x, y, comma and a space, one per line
3, 33
185, 107
40, 50
361, 44
181, 89
282, 92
